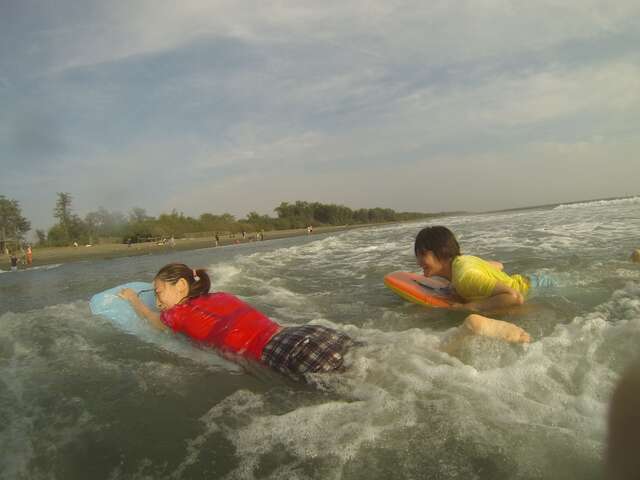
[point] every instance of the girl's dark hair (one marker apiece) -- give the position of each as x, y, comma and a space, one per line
198, 280
440, 240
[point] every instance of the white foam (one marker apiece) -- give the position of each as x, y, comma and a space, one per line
403, 409
600, 203
36, 268
222, 274
544, 400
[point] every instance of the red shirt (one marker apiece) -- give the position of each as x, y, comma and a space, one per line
223, 321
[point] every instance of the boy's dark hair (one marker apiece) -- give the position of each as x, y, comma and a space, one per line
173, 272
440, 240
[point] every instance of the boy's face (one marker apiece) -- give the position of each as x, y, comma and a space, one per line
430, 264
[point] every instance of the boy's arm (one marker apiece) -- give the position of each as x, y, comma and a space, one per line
496, 264
501, 297
141, 309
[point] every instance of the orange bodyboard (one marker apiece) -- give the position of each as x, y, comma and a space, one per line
429, 292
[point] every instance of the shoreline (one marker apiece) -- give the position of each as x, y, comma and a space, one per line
106, 251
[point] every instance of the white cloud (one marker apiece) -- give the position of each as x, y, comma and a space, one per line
605, 88
231, 106
434, 31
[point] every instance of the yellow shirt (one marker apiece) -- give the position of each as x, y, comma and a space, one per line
474, 278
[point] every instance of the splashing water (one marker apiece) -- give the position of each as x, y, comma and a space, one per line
81, 399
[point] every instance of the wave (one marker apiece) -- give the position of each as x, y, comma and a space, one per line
28, 269
598, 203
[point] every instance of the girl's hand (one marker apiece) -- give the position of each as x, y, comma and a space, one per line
128, 294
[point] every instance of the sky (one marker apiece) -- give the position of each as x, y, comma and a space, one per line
236, 106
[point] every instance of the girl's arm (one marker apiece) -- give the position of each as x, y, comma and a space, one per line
501, 297
141, 309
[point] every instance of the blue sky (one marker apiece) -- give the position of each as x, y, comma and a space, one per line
231, 106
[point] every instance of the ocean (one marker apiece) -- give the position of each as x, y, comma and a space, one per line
81, 399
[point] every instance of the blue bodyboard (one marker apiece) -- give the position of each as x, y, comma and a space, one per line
109, 305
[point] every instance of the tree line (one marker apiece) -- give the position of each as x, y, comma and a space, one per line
103, 225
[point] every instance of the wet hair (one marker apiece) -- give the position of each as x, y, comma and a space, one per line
440, 240
197, 280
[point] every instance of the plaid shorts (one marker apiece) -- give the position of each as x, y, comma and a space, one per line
296, 351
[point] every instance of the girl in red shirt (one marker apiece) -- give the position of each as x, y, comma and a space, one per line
225, 322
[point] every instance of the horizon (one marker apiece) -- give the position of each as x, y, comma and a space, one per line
212, 106
444, 213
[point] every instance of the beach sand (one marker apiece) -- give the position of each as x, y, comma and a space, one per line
53, 255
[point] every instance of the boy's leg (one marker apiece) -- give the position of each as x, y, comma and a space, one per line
478, 325
489, 327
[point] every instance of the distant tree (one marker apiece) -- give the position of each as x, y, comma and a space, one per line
138, 215
62, 212
297, 215
42, 237
12, 223
361, 215
103, 223
70, 226
283, 210
259, 222
57, 236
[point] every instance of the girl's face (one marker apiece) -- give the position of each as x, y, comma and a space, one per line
170, 294
430, 264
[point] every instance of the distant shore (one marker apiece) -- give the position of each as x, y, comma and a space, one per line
53, 255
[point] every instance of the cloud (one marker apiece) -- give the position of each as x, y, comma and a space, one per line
32, 139
227, 106
440, 32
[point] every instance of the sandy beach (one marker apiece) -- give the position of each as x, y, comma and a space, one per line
53, 255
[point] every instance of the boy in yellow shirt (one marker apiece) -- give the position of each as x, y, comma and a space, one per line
481, 285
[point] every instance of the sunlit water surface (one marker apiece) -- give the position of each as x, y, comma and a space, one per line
81, 399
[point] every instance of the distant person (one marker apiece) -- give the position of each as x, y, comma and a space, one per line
309, 230
187, 307
244, 234
14, 262
261, 235
129, 241
29, 255
172, 242
480, 285
217, 239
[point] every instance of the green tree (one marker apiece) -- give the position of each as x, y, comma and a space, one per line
104, 223
12, 224
259, 222
138, 215
70, 226
62, 212
42, 237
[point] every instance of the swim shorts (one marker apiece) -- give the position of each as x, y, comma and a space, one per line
540, 280
296, 351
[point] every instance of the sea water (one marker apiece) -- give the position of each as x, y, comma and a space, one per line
81, 399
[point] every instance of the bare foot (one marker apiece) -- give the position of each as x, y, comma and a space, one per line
490, 327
